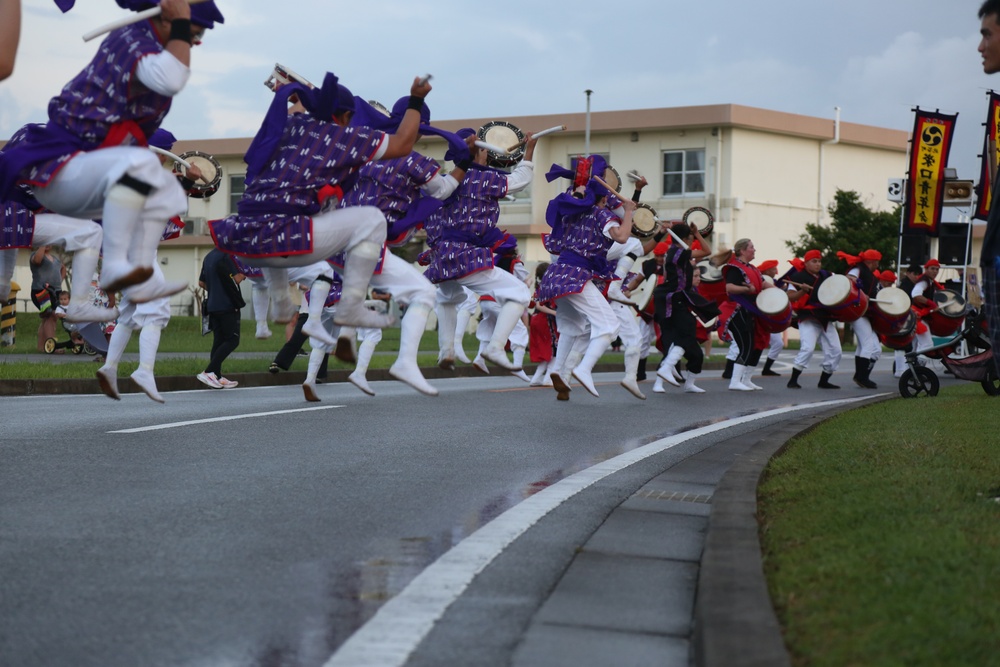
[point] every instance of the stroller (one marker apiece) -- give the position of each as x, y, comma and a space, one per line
89, 337
978, 367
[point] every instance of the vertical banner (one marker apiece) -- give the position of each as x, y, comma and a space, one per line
991, 157
931, 143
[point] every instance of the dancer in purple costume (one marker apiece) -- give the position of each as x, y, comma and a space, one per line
298, 166
462, 237
89, 160
586, 229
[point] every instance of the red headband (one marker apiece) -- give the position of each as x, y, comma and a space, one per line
813, 254
767, 264
932, 262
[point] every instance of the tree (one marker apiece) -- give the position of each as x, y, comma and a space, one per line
855, 228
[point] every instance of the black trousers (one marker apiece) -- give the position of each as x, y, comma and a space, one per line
225, 338
742, 326
286, 355
679, 329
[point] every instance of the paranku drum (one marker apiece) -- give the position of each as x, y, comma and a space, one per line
712, 285
904, 335
613, 178
842, 298
700, 216
500, 133
946, 320
210, 168
775, 308
644, 221
888, 310
643, 294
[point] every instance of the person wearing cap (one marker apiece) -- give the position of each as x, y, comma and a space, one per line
886, 278
297, 167
922, 296
403, 188
862, 270
676, 301
776, 341
89, 161
462, 237
815, 326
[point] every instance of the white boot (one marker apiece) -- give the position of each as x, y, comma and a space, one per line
405, 368
282, 308
359, 378
518, 354
540, 374
315, 361
689, 385
461, 327
736, 383
313, 327
121, 221
149, 343
615, 293
479, 363
447, 315
747, 374
510, 315
258, 296
595, 349
631, 372
658, 385
666, 368
359, 264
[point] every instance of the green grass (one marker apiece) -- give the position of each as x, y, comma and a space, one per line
881, 534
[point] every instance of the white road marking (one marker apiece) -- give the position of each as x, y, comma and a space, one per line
398, 627
159, 427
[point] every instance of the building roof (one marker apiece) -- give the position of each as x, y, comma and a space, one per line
712, 115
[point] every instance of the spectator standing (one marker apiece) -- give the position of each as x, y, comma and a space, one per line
221, 278
47, 275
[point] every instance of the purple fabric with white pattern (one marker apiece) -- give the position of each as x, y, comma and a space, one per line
82, 116
17, 227
584, 255
471, 213
247, 270
275, 213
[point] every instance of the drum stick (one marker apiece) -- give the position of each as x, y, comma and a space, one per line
557, 128
129, 20
424, 79
634, 176
490, 147
676, 238
176, 158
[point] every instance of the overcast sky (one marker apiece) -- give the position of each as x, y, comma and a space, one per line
876, 59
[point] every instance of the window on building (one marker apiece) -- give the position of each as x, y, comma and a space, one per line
684, 173
236, 188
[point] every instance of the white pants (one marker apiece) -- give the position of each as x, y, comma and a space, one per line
80, 187
869, 346
152, 313
811, 332
629, 329
495, 282
484, 330
618, 250
588, 310
404, 282
52, 229
648, 340
776, 345
333, 232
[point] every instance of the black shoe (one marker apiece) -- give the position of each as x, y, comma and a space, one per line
728, 373
793, 383
824, 382
273, 368
641, 372
767, 369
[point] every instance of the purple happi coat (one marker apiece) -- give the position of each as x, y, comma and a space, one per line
275, 213
17, 229
104, 105
584, 255
464, 232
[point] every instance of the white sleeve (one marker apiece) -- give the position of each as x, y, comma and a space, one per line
856, 272
383, 146
611, 225
521, 177
163, 73
440, 186
919, 288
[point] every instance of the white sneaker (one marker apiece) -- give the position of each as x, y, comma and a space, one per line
209, 379
228, 384
263, 331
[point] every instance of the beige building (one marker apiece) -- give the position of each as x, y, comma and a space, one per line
764, 174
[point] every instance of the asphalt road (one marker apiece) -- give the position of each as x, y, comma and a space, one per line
247, 527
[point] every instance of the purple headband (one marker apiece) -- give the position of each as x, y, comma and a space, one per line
455, 153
